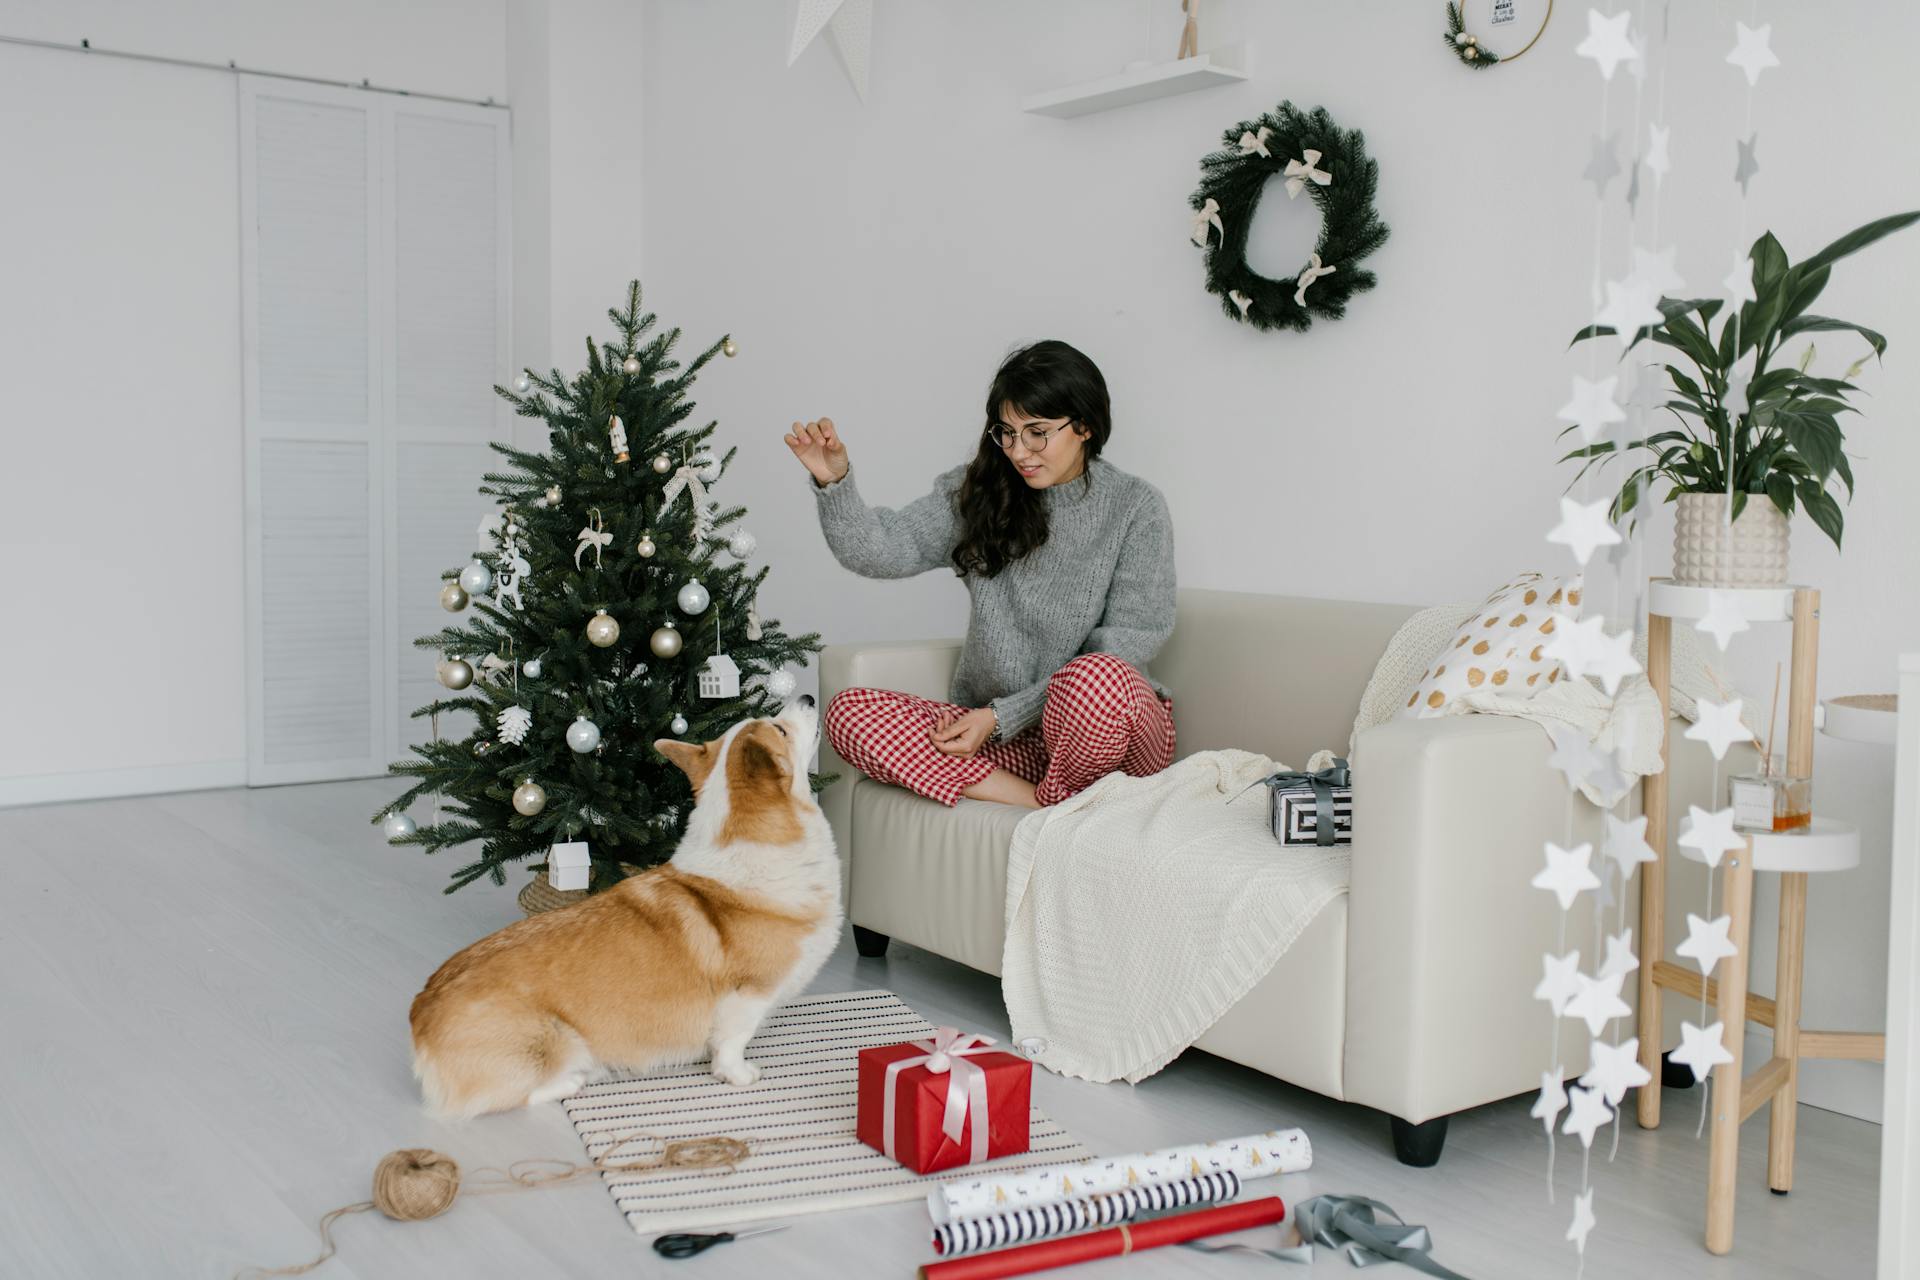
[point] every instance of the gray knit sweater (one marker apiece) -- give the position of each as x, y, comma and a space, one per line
1102, 582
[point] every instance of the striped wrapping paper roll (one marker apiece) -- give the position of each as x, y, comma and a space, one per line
1043, 1222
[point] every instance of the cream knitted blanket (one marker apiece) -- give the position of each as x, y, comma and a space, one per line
1142, 909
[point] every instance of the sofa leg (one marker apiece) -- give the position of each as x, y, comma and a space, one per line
1419, 1144
870, 944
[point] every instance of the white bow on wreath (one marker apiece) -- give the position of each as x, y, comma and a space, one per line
1251, 143
688, 480
1312, 272
1209, 213
1299, 172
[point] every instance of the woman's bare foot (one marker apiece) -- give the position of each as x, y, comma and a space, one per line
1002, 787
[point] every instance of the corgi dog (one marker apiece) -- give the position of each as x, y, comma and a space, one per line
684, 958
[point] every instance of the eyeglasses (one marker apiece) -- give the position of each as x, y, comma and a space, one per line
1034, 438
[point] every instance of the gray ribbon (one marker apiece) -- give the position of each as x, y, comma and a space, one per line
1349, 1222
1323, 782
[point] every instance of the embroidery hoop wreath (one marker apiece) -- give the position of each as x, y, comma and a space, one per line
1350, 228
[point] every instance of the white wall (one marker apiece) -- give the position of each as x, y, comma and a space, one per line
876, 261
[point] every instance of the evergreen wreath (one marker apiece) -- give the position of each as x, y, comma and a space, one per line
1331, 166
1465, 45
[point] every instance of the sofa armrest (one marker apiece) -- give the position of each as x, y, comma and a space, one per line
1445, 932
923, 667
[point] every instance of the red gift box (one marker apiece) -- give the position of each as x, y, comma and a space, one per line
945, 1101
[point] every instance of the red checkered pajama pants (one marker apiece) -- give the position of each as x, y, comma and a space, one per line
1101, 715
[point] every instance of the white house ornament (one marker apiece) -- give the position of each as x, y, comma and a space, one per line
1598, 1002
513, 723
1608, 42
1711, 835
453, 597
1702, 1049
1592, 407
665, 641
1560, 981
396, 825
1723, 619
583, 735
476, 579
529, 798
454, 673
602, 630
1567, 874
693, 598
1751, 51
617, 432
719, 677
1614, 1069
1707, 943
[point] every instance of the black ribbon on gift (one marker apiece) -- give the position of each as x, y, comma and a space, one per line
1322, 782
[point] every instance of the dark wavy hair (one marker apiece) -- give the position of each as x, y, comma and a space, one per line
1001, 518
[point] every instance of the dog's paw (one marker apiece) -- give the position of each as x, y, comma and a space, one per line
740, 1074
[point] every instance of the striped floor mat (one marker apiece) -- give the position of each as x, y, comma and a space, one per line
798, 1118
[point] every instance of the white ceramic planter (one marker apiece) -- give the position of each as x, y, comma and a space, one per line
1708, 552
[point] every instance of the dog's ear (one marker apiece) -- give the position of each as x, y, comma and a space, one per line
694, 760
759, 760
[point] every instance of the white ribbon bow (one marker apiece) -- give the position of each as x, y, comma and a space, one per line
1209, 213
1312, 272
1300, 171
1250, 143
595, 538
1240, 300
947, 1054
688, 479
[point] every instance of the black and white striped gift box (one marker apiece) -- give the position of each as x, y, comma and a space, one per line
1043, 1222
1296, 821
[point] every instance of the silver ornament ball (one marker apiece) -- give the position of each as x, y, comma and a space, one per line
553, 495
677, 725
741, 544
1462, 38
453, 597
662, 464
646, 547
631, 365
522, 383
781, 684
455, 673
665, 642
529, 798
602, 630
396, 825
532, 669
729, 348
476, 578
583, 735
707, 467
693, 597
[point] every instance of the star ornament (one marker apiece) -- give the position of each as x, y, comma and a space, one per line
1723, 619
1608, 41
1583, 1220
1567, 874
1561, 980
1718, 726
1592, 407
1611, 660
1739, 282
1626, 843
1655, 270
1702, 1049
1747, 167
1598, 1002
1751, 52
1615, 1069
1630, 307
1711, 834
1584, 764
1620, 958
1552, 1100
1588, 1112
848, 24
1583, 529
1707, 943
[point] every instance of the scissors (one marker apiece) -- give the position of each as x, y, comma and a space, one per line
683, 1245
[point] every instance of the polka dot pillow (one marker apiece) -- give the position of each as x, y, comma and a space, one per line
1502, 647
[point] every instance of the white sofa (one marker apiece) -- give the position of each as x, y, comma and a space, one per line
1412, 994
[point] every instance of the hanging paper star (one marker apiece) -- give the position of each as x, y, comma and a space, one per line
1583, 1220
1658, 161
1620, 958
1739, 282
1583, 527
1747, 167
1735, 399
1711, 834
1707, 943
1630, 307
1718, 726
1592, 407
1552, 1100
849, 24
1751, 52
1702, 1049
1637, 64
1584, 764
1608, 42
1587, 1113
1561, 980
1723, 619
1626, 843
1598, 1002
1611, 659
1654, 269
1615, 1069
1567, 875
1602, 164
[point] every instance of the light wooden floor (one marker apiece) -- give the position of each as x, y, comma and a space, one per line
203, 1037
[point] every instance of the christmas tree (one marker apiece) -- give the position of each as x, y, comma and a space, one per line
601, 616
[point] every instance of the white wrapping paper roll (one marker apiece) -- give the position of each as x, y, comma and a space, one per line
1258, 1156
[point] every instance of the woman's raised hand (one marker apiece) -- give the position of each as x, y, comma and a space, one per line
819, 449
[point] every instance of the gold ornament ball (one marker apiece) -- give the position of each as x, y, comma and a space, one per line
456, 673
553, 495
453, 597
601, 629
662, 464
1472, 53
666, 642
728, 348
529, 798
631, 365
646, 547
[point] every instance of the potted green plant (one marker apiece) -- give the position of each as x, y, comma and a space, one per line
1745, 424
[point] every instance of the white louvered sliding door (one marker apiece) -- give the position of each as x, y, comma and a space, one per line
375, 278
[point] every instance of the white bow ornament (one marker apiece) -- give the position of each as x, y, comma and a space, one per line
687, 478
591, 537
1299, 172
946, 1053
1312, 272
1241, 301
1209, 213
1250, 143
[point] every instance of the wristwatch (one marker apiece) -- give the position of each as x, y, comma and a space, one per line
993, 734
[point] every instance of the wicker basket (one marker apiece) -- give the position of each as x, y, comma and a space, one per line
540, 896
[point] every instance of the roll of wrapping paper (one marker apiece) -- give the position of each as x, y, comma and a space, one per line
987, 1194
1123, 1239
1043, 1222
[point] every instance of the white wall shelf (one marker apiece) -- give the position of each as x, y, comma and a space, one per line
1141, 84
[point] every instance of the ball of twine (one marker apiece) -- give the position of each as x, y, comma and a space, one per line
417, 1183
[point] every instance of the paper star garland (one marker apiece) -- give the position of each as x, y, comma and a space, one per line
1656, 271
1584, 764
1611, 659
1658, 161
1583, 1220
1707, 943
1718, 726
1552, 1100
1751, 52
1588, 1112
1630, 307
1739, 282
1723, 619
1626, 843
1615, 1069
1567, 875
1735, 399
1711, 834
1598, 1002
1620, 958
1747, 167
1592, 407
1584, 527
1561, 980
1701, 1049
1608, 42
1602, 164
849, 24
1573, 641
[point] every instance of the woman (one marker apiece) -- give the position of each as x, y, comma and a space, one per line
1069, 564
